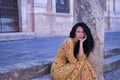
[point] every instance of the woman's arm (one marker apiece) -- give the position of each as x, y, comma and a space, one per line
69, 51
81, 50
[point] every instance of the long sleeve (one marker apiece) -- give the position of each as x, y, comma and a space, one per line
82, 57
69, 51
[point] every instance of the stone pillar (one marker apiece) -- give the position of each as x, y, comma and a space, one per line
22, 15
91, 12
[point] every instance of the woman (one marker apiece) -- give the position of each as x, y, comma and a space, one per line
70, 62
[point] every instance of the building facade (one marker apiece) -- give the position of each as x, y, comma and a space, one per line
44, 18
41, 18
112, 15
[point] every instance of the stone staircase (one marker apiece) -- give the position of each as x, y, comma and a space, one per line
111, 62
27, 59
111, 59
39, 70
26, 72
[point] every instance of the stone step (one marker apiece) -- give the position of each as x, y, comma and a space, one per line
25, 71
111, 52
112, 75
16, 72
16, 36
26, 59
111, 63
45, 77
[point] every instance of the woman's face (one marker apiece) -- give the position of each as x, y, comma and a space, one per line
79, 34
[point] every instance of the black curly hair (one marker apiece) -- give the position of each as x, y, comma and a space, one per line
88, 44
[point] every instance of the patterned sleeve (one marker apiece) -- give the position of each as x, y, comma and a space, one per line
69, 51
82, 57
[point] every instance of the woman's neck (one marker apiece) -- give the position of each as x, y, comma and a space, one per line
75, 40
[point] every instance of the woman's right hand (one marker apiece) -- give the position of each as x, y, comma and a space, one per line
83, 39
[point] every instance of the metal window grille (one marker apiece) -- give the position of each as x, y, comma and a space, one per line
62, 6
9, 16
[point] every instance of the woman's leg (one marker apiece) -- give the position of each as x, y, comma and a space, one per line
63, 72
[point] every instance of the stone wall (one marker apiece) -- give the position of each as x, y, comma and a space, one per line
40, 17
50, 23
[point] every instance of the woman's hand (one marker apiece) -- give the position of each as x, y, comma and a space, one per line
83, 39
81, 51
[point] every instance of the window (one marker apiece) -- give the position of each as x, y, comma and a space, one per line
62, 6
9, 21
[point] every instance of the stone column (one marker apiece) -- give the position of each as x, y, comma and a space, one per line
91, 12
22, 15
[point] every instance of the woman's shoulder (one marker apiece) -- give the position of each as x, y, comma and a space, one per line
68, 40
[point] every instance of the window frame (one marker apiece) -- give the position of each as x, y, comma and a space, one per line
62, 6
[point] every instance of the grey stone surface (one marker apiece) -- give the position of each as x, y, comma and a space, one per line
27, 73
16, 36
27, 58
111, 52
13, 52
22, 54
111, 63
113, 75
45, 77
111, 40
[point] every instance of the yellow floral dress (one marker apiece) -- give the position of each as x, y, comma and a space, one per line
66, 67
